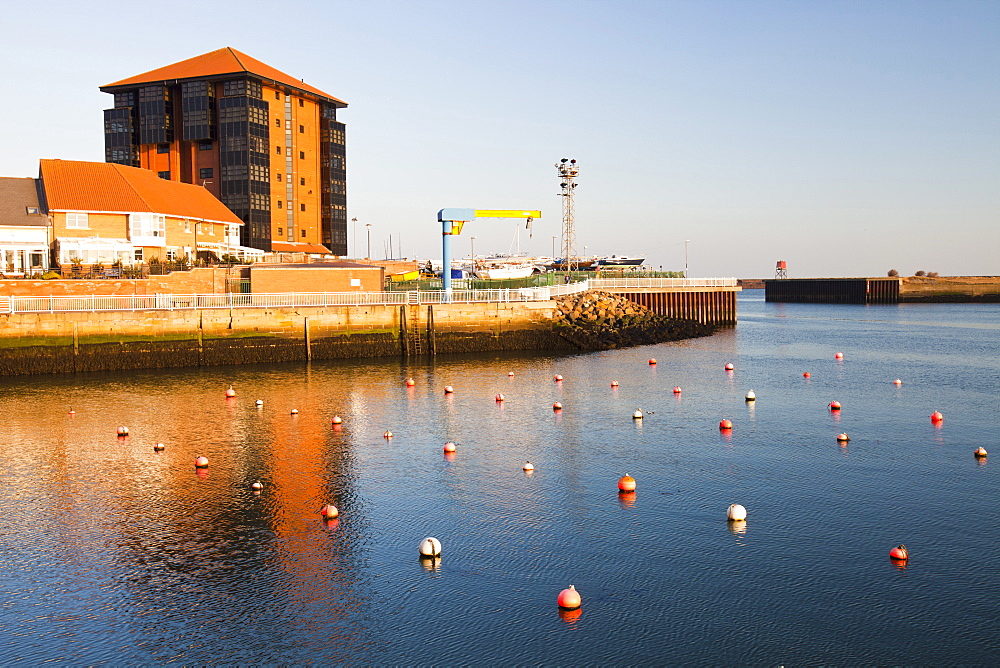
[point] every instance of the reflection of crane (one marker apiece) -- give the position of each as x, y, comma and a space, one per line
452, 221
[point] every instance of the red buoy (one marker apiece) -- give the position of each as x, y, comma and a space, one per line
806, 374
499, 397
652, 361
387, 434
510, 373
843, 438
329, 511
201, 462
626, 483
450, 447
729, 366
897, 382
448, 389
614, 383
410, 382
557, 378
936, 417
839, 356
336, 420
726, 425
834, 405
569, 599
230, 392
899, 552
677, 390
557, 406
979, 452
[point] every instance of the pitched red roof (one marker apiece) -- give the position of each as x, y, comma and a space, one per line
73, 185
219, 63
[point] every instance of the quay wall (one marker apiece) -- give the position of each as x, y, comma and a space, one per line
883, 290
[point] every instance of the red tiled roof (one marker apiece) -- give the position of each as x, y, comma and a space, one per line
219, 63
72, 185
296, 247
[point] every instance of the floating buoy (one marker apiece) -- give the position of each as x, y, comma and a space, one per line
158, 447
652, 361
72, 412
256, 487
201, 462
387, 434
295, 411
806, 375
843, 438
499, 397
410, 382
979, 452
729, 366
329, 511
569, 599
336, 420
259, 402
448, 389
626, 483
751, 396
726, 425
834, 405
897, 382
557, 406
557, 378
230, 392
123, 431
899, 552
510, 373
450, 447
637, 415
935, 417
614, 383
839, 356
528, 466
430, 547
677, 390
736, 512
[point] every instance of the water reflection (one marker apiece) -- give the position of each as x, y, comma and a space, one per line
571, 617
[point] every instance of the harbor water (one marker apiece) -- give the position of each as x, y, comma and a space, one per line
113, 553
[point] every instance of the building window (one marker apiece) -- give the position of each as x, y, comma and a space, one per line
302, 207
32, 210
277, 149
277, 95
187, 226
138, 254
277, 122
302, 129
205, 173
302, 155
204, 146
303, 233
280, 231
164, 175
77, 221
279, 204
301, 103
146, 226
211, 230
163, 148
278, 177
302, 182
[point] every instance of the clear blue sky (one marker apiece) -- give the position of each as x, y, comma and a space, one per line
844, 137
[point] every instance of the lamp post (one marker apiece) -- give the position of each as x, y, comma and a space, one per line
686, 242
369, 226
472, 251
554, 247
354, 238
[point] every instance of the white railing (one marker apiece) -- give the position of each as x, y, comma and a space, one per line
639, 282
295, 299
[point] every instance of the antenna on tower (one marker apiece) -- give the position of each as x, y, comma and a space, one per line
568, 171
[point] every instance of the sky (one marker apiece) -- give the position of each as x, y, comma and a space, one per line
846, 138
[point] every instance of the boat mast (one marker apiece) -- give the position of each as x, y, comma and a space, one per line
568, 171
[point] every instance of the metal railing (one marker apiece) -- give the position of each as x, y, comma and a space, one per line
171, 302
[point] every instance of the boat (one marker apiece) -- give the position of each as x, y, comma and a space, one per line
618, 261
498, 268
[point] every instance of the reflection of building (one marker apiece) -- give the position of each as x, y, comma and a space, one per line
24, 228
265, 143
105, 213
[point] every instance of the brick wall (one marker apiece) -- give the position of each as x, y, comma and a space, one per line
203, 280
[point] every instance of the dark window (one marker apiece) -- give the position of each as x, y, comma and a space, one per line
280, 231
277, 122
163, 148
302, 207
302, 182
301, 103
277, 150
302, 128
279, 177
204, 146
303, 233
205, 173
164, 175
277, 96
302, 155
279, 204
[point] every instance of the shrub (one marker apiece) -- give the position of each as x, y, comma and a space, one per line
920, 273
893, 272
932, 274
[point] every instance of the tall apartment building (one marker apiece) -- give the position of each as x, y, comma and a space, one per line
266, 144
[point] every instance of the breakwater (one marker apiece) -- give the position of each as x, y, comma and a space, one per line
883, 290
66, 342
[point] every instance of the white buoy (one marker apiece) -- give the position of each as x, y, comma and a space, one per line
528, 466
736, 512
329, 511
430, 547
751, 396
259, 402
159, 446
295, 411
256, 487
637, 415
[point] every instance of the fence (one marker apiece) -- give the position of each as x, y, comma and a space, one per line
642, 282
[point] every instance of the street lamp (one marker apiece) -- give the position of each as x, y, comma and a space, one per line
472, 250
554, 247
369, 226
354, 238
686, 242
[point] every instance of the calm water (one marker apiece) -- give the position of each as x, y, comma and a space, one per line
111, 553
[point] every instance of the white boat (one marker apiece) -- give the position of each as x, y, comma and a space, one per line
492, 271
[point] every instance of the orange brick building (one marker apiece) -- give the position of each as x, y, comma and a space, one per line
268, 145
